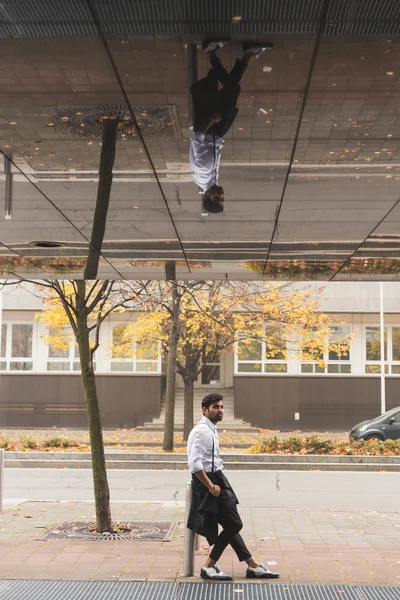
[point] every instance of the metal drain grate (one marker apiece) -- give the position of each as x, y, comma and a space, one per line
87, 590
268, 591
154, 120
140, 531
133, 590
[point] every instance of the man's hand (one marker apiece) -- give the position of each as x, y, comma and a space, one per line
215, 490
216, 117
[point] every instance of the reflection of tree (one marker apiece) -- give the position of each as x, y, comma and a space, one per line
22, 340
56, 264
302, 269
294, 269
161, 263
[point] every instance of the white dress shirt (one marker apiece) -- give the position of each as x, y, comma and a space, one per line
205, 158
200, 445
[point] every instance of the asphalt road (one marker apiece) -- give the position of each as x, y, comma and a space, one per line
283, 489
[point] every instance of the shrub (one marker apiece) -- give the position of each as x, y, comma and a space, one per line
58, 441
6, 443
27, 441
314, 444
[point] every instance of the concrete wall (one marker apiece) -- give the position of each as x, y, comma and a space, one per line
323, 403
58, 400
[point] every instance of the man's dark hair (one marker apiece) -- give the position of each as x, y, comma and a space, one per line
211, 399
212, 206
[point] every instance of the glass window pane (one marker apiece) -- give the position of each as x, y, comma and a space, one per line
21, 366
76, 366
313, 352
345, 368
375, 368
373, 343
55, 352
275, 368
396, 369
21, 343
275, 347
58, 366
319, 369
3, 340
146, 367
333, 368
395, 343
210, 374
122, 345
306, 368
3, 366
121, 366
249, 368
249, 350
147, 350
339, 332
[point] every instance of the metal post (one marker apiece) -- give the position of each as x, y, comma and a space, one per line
188, 538
382, 328
192, 78
1, 478
9, 187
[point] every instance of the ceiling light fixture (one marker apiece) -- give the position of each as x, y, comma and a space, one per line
47, 244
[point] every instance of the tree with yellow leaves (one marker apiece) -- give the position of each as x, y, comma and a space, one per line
76, 309
195, 321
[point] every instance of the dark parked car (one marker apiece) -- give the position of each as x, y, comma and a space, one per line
384, 427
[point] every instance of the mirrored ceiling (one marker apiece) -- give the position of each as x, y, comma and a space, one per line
206, 140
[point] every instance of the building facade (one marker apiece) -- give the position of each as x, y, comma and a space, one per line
40, 384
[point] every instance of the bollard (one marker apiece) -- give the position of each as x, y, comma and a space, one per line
1, 478
188, 538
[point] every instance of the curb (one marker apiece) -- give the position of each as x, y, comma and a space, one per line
158, 461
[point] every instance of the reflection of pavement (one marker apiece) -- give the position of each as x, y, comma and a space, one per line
307, 545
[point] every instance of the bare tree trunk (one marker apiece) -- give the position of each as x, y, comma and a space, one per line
188, 405
168, 444
100, 483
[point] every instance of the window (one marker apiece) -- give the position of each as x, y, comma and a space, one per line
64, 355
391, 350
259, 356
335, 362
129, 356
16, 347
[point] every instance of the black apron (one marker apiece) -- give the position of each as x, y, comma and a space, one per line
203, 515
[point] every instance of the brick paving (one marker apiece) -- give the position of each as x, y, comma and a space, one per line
305, 546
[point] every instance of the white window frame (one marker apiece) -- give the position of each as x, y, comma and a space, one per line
263, 361
389, 363
8, 358
133, 360
328, 362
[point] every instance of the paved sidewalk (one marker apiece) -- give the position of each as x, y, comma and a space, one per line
306, 546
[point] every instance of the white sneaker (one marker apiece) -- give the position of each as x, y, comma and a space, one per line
214, 573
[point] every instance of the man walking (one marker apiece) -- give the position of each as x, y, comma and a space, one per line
214, 501
214, 112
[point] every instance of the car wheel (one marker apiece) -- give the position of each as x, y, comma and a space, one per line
374, 436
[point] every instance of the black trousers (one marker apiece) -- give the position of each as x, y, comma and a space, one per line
208, 99
229, 519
